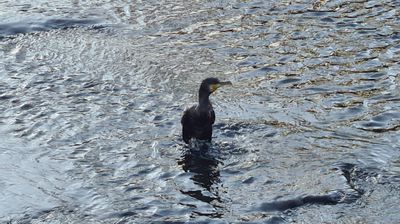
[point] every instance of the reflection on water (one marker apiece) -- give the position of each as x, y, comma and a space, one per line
200, 161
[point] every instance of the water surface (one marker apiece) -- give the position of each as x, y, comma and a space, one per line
92, 94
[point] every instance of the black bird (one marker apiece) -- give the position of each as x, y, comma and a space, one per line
197, 121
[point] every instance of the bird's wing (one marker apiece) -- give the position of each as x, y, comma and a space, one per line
186, 123
212, 116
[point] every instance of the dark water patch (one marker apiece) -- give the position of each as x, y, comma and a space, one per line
27, 106
375, 76
328, 20
236, 129
288, 81
249, 62
383, 122
125, 214
329, 199
90, 84
260, 72
378, 127
389, 97
316, 90
11, 29
387, 116
68, 23
6, 97
248, 180
395, 36
346, 25
320, 13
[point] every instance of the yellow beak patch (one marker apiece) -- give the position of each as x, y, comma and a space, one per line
214, 87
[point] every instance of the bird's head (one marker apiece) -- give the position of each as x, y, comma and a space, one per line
209, 85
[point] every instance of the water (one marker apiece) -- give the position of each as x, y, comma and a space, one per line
92, 94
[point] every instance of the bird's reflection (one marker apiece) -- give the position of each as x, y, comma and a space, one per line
200, 161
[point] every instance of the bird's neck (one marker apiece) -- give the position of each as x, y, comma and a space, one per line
204, 100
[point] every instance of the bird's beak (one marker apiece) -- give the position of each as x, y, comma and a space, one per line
216, 86
227, 83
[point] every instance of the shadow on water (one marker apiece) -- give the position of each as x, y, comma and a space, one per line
202, 161
354, 192
329, 199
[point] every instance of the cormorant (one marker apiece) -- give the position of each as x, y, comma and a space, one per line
197, 121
